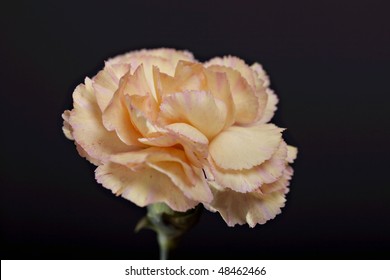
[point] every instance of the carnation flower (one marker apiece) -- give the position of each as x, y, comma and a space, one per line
162, 127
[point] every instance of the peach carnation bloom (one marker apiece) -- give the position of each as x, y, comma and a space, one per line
163, 127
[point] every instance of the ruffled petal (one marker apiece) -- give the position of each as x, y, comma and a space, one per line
292, 153
252, 79
87, 127
271, 107
164, 53
251, 208
218, 85
197, 108
172, 163
67, 128
236, 64
194, 143
245, 100
191, 76
106, 82
165, 59
272, 99
248, 180
143, 113
240, 148
188, 76
261, 74
143, 187
279, 185
117, 117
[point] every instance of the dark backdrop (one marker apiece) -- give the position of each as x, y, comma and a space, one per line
329, 62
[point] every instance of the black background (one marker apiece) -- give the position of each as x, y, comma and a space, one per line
329, 62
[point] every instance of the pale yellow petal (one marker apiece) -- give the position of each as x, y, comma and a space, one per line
245, 100
247, 180
85, 155
67, 128
279, 185
236, 64
254, 81
273, 100
244, 147
172, 55
271, 107
188, 76
197, 108
246, 208
218, 85
143, 187
106, 82
87, 127
154, 155
165, 59
172, 163
143, 113
261, 74
292, 153
194, 143
122, 116
191, 76
116, 117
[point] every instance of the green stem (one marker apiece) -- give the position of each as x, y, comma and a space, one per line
163, 242
169, 225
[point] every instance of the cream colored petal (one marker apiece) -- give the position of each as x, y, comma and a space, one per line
67, 128
117, 71
245, 99
154, 155
261, 74
279, 185
165, 59
219, 86
196, 108
236, 64
106, 82
103, 96
191, 76
247, 180
251, 208
143, 113
164, 53
292, 153
143, 187
194, 143
135, 83
249, 74
172, 54
273, 100
197, 190
117, 115
87, 127
85, 155
240, 148
270, 108
188, 76
172, 163
117, 118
